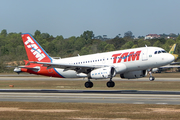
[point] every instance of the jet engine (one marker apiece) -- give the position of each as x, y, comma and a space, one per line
100, 73
134, 74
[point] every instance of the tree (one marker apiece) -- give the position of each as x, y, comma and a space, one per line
45, 35
128, 45
88, 35
59, 37
142, 43
128, 35
178, 38
101, 46
141, 37
37, 33
109, 47
85, 50
117, 42
157, 44
4, 32
79, 43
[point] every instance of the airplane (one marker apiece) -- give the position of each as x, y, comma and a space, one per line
171, 65
172, 51
129, 63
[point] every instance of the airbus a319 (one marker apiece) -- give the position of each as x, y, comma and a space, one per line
129, 63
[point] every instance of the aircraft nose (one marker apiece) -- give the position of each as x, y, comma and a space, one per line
171, 58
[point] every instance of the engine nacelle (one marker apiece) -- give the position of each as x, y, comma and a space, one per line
134, 74
101, 73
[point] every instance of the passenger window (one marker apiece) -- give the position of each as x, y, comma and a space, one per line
159, 52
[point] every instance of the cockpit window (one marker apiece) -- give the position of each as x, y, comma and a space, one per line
163, 51
160, 51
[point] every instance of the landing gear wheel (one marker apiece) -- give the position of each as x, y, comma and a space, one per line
88, 84
110, 84
151, 78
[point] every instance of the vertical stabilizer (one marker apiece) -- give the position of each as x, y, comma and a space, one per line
172, 50
34, 51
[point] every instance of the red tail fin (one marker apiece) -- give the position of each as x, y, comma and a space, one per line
34, 51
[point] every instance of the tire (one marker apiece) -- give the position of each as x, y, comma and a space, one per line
151, 78
110, 84
88, 84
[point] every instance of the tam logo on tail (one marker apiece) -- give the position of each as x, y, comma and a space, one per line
34, 49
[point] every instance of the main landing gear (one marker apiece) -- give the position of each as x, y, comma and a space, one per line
89, 84
151, 78
110, 83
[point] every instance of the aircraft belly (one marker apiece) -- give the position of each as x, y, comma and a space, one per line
67, 74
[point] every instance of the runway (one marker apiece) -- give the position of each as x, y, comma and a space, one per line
89, 95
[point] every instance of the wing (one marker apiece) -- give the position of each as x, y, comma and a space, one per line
170, 66
175, 63
78, 68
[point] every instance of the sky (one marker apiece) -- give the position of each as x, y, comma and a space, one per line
103, 17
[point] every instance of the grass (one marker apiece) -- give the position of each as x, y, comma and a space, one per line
98, 85
87, 111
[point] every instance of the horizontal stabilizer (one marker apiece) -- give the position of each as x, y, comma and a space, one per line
18, 69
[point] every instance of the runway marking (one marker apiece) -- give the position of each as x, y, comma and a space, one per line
138, 103
161, 103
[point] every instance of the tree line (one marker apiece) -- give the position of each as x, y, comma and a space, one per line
12, 48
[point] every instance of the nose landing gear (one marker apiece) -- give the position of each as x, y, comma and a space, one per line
151, 78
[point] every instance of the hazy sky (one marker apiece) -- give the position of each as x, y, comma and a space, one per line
103, 17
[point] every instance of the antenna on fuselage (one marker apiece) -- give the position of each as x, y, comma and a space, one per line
145, 45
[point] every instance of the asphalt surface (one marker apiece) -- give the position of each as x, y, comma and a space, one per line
90, 96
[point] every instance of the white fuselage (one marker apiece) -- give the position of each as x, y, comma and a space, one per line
123, 60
